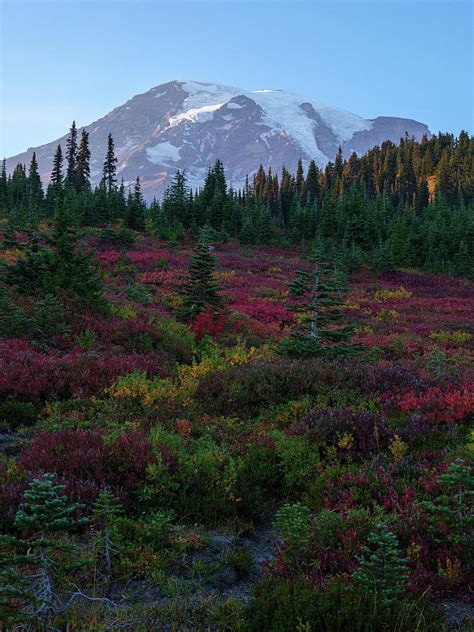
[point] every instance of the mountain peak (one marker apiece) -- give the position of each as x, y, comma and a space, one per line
188, 124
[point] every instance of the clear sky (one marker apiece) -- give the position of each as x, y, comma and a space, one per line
78, 59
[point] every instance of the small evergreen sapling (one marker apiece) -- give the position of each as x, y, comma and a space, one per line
200, 291
318, 296
106, 508
452, 508
293, 522
382, 574
15, 590
43, 513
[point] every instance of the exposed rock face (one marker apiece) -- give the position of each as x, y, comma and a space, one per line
188, 125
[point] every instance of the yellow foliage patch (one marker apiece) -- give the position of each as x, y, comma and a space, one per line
457, 337
383, 295
137, 385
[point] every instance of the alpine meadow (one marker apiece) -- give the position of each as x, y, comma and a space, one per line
236, 325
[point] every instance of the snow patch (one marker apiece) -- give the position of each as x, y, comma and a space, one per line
202, 101
282, 112
196, 115
163, 154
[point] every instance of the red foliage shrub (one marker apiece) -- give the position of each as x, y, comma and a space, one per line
28, 371
183, 427
86, 462
440, 405
265, 311
209, 324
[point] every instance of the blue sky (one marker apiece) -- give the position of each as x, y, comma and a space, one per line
66, 59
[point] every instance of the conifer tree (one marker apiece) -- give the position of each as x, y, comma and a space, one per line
83, 164
57, 172
44, 512
35, 188
383, 259
265, 227
176, 200
201, 289
104, 511
135, 211
15, 590
71, 268
299, 182
71, 157
109, 172
318, 296
382, 574
3, 187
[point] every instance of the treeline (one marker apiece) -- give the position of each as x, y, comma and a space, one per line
406, 205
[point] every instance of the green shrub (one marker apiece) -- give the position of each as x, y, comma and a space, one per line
293, 523
248, 389
259, 480
161, 527
16, 413
282, 605
382, 574
86, 339
298, 458
139, 293
240, 560
177, 339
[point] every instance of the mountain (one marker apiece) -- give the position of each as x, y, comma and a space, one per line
189, 124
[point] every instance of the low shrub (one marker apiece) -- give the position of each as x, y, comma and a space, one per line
287, 605
345, 434
87, 461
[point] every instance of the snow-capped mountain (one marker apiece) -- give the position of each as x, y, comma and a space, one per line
189, 124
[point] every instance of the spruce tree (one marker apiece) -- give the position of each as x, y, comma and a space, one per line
44, 512
57, 172
299, 182
15, 590
55, 190
104, 511
248, 234
176, 201
35, 188
3, 187
83, 164
70, 268
200, 291
71, 157
382, 574
109, 173
265, 227
383, 259
318, 300
135, 211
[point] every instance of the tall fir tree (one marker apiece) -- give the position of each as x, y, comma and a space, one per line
3, 187
35, 188
71, 158
135, 211
57, 171
83, 164
109, 172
